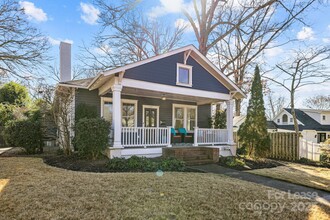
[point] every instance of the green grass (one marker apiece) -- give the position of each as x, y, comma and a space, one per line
30, 189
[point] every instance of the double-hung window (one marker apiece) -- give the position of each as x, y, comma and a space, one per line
184, 75
128, 111
184, 116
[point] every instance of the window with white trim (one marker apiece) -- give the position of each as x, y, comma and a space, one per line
128, 114
184, 116
184, 75
324, 117
129, 111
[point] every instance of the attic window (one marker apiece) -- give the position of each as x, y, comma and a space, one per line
184, 75
323, 117
278, 120
285, 118
291, 119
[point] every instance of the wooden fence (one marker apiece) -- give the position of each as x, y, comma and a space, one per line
283, 145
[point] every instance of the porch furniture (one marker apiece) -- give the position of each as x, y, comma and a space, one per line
186, 138
175, 138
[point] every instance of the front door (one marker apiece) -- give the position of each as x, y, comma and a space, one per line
321, 137
150, 117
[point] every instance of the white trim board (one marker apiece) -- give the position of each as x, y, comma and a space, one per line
173, 89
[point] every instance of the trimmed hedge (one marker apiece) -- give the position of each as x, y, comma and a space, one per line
26, 134
142, 164
91, 137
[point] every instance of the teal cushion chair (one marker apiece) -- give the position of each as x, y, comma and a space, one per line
175, 137
186, 138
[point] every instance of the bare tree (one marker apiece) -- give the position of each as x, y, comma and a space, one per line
321, 102
22, 47
305, 67
128, 36
274, 105
238, 49
63, 110
208, 16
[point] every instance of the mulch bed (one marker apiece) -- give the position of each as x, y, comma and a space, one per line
76, 163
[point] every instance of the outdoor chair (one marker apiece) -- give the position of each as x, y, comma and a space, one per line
187, 138
175, 137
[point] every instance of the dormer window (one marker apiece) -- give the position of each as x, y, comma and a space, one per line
285, 118
184, 75
323, 117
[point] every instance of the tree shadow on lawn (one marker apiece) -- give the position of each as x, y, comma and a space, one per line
315, 177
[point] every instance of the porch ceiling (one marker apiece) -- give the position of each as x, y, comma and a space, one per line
168, 95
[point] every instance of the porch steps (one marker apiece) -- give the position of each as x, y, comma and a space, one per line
193, 155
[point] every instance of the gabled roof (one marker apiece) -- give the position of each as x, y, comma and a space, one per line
308, 122
194, 53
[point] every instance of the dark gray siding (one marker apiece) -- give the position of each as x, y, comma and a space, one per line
165, 107
204, 114
163, 71
88, 97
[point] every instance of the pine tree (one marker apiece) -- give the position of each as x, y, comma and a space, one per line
253, 132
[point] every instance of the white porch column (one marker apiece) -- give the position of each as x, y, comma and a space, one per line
116, 118
230, 124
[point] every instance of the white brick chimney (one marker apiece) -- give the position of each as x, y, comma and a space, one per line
65, 62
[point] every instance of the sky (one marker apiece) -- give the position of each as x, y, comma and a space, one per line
76, 22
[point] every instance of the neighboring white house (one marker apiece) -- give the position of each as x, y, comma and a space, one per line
313, 124
239, 120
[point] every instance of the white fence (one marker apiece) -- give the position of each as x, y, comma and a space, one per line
145, 136
309, 150
210, 136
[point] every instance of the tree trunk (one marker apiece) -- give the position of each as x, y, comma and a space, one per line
295, 121
238, 103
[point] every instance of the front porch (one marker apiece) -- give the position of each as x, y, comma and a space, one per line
142, 118
150, 141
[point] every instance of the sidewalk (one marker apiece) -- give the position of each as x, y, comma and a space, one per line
2, 150
323, 196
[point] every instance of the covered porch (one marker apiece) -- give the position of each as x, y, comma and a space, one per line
144, 114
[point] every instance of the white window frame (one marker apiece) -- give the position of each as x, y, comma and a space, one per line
185, 107
178, 66
153, 107
123, 101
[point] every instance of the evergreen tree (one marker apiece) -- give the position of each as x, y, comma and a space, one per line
14, 94
253, 132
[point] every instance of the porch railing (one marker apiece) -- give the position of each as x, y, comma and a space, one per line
203, 136
146, 136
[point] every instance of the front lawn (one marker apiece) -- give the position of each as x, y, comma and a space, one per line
315, 177
30, 189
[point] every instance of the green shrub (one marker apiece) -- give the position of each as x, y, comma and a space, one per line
26, 134
14, 93
142, 164
85, 111
232, 161
7, 113
91, 137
